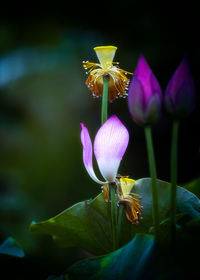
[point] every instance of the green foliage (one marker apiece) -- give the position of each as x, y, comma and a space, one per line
131, 260
11, 247
142, 259
87, 224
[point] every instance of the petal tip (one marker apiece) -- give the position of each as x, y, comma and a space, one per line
114, 117
82, 125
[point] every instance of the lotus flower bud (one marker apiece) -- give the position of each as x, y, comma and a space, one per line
145, 95
180, 93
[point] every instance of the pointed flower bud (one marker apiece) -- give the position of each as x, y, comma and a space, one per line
145, 95
180, 93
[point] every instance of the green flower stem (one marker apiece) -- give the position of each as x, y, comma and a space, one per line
104, 116
152, 165
119, 222
174, 153
114, 215
104, 106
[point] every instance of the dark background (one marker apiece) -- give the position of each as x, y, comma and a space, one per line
43, 99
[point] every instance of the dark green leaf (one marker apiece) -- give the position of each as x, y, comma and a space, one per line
128, 262
88, 225
11, 247
85, 224
142, 259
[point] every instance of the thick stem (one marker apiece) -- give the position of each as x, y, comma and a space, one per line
104, 105
113, 215
152, 166
174, 153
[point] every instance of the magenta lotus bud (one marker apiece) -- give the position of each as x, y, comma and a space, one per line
180, 92
145, 95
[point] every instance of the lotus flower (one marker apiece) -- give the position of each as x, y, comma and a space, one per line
180, 92
109, 147
145, 95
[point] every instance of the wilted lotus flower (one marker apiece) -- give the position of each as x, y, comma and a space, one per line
109, 147
118, 82
180, 92
145, 95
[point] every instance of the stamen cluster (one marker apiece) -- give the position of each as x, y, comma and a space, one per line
132, 205
118, 82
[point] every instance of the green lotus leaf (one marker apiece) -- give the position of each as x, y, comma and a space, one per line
87, 224
142, 259
128, 262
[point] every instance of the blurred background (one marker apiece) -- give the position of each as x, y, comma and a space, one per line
43, 99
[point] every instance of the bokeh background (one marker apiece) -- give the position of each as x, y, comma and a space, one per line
43, 99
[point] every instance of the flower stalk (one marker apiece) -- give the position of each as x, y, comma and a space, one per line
104, 116
112, 187
119, 221
153, 173
174, 153
108, 81
104, 106
179, 103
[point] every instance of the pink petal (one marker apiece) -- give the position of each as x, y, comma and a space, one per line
110, 145
87, 153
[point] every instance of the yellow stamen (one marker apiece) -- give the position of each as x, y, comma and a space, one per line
133, 208
105, 190
132, 205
